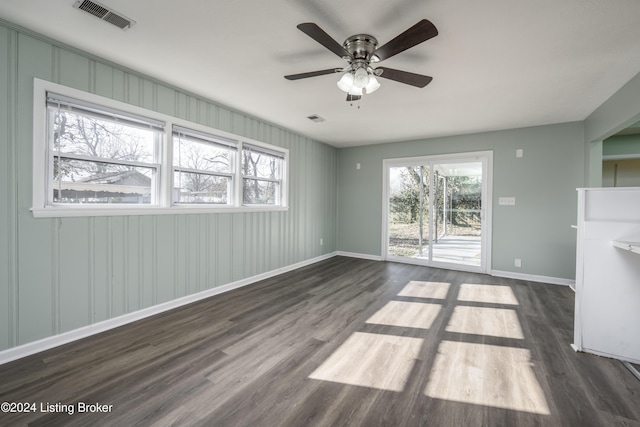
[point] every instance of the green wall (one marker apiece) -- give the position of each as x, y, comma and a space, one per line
621, 145
536, 230
59, 274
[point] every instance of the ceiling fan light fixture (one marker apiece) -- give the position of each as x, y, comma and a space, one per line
373, 85
361, 78
350, 84
346, 82
361, 51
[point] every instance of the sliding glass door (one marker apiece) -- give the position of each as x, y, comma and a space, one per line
436, 210
409, 211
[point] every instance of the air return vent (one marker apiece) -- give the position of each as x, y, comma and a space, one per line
104, 13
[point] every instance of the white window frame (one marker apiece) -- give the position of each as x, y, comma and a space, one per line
42, 206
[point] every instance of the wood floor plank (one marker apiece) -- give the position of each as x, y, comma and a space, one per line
341, 342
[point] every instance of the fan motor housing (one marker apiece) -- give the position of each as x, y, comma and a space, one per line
361, 46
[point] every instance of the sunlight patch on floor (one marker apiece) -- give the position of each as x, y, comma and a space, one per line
495, 322
406, 314
433, 290
487, 293
481, 374
371, 360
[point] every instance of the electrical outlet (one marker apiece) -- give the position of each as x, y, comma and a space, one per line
518, 262
321, 242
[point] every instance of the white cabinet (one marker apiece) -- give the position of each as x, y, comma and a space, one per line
607, 315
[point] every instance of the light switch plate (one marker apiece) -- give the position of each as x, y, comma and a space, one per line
507, 201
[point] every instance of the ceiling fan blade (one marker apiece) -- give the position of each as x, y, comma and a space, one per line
312, 74
318, 34
351, 98
422, 31
413, 79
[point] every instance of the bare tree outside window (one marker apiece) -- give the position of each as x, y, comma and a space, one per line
78, 134
261, 177
202, 171
456, 203
96, 160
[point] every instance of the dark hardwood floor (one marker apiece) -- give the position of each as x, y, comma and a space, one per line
344, 342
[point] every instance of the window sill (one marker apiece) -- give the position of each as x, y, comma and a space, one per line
80, 211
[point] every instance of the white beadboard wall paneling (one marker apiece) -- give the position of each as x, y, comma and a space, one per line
62, 274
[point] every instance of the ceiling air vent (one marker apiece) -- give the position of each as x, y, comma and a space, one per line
315, 118
104, 13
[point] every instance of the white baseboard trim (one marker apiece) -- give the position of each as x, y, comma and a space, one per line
633, 369
33, 347
534, 278
357, 255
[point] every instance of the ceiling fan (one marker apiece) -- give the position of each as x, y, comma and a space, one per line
361, 51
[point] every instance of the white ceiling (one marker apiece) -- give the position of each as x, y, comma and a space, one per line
496, 64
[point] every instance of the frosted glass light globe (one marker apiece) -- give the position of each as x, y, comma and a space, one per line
346, 82
372, 86
361, 78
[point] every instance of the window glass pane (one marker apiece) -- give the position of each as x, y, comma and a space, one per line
200, 188
200, 155
78, 182
261, 165
75, 133
256, 191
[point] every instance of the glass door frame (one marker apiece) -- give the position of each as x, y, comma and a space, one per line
484, 157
